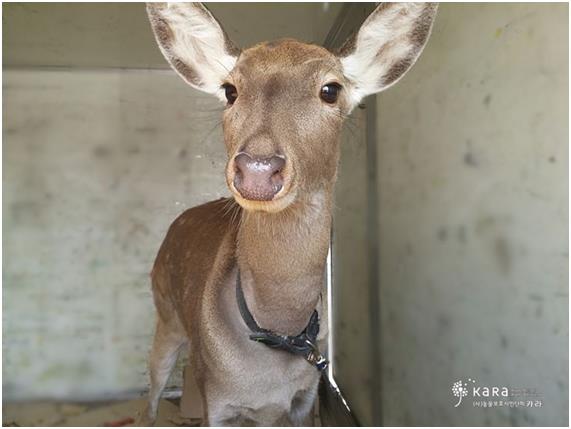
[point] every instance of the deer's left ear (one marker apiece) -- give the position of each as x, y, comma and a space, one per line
386, 46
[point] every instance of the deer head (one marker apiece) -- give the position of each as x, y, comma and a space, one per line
286, 100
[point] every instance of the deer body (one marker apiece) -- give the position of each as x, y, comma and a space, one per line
286, 105
200, 304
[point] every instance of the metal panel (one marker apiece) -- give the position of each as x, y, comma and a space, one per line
354, 312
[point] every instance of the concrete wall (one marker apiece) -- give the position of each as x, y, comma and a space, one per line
96, 166
473, 194
119, 35
100, 155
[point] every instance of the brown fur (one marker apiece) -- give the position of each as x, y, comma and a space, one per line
278, 246
281, 255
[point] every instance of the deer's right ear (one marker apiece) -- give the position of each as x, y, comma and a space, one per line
194, 44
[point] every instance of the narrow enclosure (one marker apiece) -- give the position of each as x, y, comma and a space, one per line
447, 277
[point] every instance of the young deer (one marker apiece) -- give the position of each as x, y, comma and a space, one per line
252, 266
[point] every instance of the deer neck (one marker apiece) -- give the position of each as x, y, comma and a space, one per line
281, 258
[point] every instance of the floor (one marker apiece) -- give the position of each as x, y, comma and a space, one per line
111, 414
65, 414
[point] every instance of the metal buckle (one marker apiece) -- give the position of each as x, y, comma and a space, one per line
315, 357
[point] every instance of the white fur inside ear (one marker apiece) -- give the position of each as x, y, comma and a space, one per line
383, 40
199, 43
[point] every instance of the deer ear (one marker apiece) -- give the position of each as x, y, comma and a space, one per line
194, 44
386, 46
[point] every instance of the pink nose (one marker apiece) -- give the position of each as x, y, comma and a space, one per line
258, 179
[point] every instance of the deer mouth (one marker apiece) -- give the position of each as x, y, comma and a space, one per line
273, 206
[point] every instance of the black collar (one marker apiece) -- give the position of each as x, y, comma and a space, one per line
304, 344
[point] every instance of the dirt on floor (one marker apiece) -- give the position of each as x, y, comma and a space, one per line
116, 413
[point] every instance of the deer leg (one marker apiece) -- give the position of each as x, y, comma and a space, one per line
166, 346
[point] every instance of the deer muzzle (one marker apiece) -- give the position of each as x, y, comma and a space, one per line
258, 179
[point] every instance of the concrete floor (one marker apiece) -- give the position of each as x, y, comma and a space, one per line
67, 414
94, 414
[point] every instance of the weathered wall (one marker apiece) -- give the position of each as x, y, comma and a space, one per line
96, 166
99, 158
473, 191
118, 34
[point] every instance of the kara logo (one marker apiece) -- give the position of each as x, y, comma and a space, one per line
459, 390
462, 389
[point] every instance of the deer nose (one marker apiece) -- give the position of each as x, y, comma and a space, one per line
258, 179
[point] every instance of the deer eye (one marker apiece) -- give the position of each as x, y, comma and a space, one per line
231, 93
330, 92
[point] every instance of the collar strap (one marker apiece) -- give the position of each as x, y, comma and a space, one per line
303, 344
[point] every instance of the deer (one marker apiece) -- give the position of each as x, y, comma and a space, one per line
239, 281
